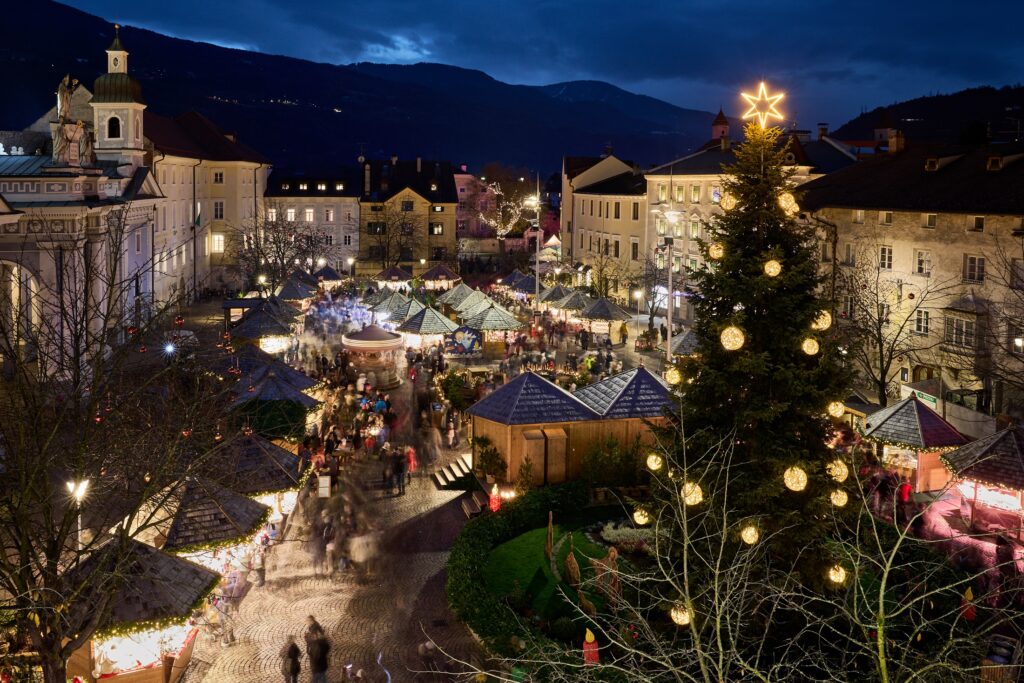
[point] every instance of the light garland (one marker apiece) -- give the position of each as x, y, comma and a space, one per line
839, 498
749, 534
692, 493
810, 346
836, 574
655, 462
836, 409
716, 251
838, 470
822, 322
641, 517
795, 479
680, 615
732, 338
772, 268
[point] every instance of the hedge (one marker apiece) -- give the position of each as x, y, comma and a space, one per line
485, 613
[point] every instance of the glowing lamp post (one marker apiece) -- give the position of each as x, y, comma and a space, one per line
77, 489
638, 294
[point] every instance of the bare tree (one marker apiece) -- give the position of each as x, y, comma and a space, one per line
607, 273
651, 281
392, 233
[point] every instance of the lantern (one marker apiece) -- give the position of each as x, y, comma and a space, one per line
692, 493
836, 409
179, 320
654, 462
810, 346
716, 251
749, 534
732, 338
680, 615
795, 479
772, 268
838, 470
822, 322
836, 574
728, 202
641, 517
839, 498
788, 203
495, 499
673, 376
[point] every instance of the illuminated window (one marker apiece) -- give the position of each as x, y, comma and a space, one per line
858, 215
680, 193
662, 192
271, 215
438, 209
217, 243
694, 229
437, 228
303, 186
695, 194
321, 186
285, 186
308, 215
289, 214
339, 186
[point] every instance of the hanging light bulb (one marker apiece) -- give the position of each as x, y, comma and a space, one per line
732, 338
836, 409
836, 574
822, 322
749, 534
795, 479
716, 251
641, 517
680, 615
673, 376
838, 470
692, 493
839, 498
810, 346
728, 202
772, 268
654, 462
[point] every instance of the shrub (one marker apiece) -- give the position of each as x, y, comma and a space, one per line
489, 459
609, 464
626, 538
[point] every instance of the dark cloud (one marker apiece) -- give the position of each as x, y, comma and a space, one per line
834, 58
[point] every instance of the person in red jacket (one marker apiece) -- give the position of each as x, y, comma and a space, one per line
903, 494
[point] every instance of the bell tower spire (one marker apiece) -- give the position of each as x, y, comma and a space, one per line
117, 56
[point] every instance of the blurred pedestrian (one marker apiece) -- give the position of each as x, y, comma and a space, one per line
290, 666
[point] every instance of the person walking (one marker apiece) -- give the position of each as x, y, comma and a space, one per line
290, 666
319, 651
399, 467
259, 565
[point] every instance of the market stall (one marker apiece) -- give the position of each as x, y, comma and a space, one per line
274, 407
440, 277
405, 311
551, 295
295, 289
683, 344
267, 473
453, 297
386, 306
393, 278
329, 277
474, 299
262, 326
494, 323
375, 349
989, 475
426, 328
604, 317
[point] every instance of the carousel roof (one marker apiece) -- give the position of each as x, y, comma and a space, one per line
295, 289
390, 303
684, 343
328, 273
272, 387
393, 274
440, 272
995, 459
407, 310
155, 586
257, 465
512, 278
454, 296
576, 301
470, 301
527, 285
494, 318
604, 309
208, 514
428, 321
912, 424
372, 338
260, 323
554, 293
633, 393
531, 399
303, 276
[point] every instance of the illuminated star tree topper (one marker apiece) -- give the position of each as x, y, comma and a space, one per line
762, 105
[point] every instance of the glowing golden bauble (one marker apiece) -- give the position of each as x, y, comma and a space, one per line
788, 204
762, 105
716, 251
838, 470
728, 202
822, 322
749, 534
836, 409
692, 493
680, 615
810, 346
641, 517
732, 338
772, 268
836, 574
839, 498
795, 479
654, 462
673, 376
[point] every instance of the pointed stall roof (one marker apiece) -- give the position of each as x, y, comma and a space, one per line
272, 387
393, 274
996, 459
440, 272
390, 303
912, 424
633, 393
209, 514
577, 301
249, 359
281, 308
685, 343
479, 306
493, 318
454, 296
260, 323
527, 285
604, 309
375, 297
512, 278
295, 289
328, 273
303, 276
297, 379
531, 399
407, 310
554, 293
428, 321
470, 301
256, 465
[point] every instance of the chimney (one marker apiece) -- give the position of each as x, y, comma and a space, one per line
895, 141
419, 164
366, 178
822, 131
724, 141
394, 159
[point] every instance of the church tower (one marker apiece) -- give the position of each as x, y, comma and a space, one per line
117, 107
720, 126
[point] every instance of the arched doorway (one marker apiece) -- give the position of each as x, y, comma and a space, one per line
19, 312
923, 372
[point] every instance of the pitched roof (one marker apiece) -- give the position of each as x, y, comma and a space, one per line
345, 182
995, 459
328, 273
247, 358
512, 278
494, 317
260, 322
526, 284
576, 301
720, 119
454, 296
633, 393
531, 399
302, 276
573, 166
271, 387
295, 289
434, 180
393, 274
256, 465
440, 272
629, 183
390, 303
207, 513
406, 310
912, 424
297, 379
685, 343
428, 321
193, 135
554, 293
473, 299
604, 309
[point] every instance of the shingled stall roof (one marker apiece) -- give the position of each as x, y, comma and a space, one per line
577, 301
633, 393
468, 302
393, 274
493, 318
454, 296
603, 309
390, 303
996, 459
260, 322
911, 424
440, 272
554, 293
531, 399
246, 358
256, 465
406, 310
526, 285
373, 298
208, 514
684, 343
328, 273
271, 387
428, 321
479, 307
295, 289
511, 279
295, 378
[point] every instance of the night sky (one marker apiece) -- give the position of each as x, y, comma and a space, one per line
834, 59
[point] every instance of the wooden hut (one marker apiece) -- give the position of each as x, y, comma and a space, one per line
426, 328
440, 277
393, 278
990, 477
454, 296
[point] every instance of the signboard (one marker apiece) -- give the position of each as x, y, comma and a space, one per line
323, 486
932, 401
462, 342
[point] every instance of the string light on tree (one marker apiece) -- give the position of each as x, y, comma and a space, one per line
749, 534
732, 338
810, 346
655, 462
795, 479
716, 251
727, 202
692, 493
839, 498
680, 615
838, 470
762, 105
822, 322
772, 268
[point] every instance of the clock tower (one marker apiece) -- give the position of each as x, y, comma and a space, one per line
117, 106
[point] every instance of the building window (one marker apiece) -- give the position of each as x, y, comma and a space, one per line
977, 224
218, 210
695, 194
921, 322
680, 193
271, 215
590, 243
885, 217
716, 194
218, 177
824, 252
959, 332
329, 240
308, 215
138, 241
438, 209
846, 307
636, 211
285, 186
858, 215
974, 268
328, 215
114, 128
433, 187
659, 226
374, 252
615, 252
437, 228
376, 207
848, 255
322, 187
599, 208
1015, 338
617, 211
339, 186
347, 240
678, 228
694, 229
439, 254
1017, 273
407, 205
376, 227
691, 265
606, 246
289, 214
677, 263
634, 253
885, 258
303, 186
923, 262
930, 220
662, 192
217, 243
591, 207
659, 260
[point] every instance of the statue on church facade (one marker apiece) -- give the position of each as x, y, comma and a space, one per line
61, 146
85, 147
65, 90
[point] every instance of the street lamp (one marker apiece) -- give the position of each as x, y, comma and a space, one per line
533, 202
77, 491
672, 217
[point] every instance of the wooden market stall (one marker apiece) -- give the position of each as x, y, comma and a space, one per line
989, 475
393, 278
604, 317
440, 277
426, 328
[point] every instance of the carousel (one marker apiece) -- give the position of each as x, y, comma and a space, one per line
374, 349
